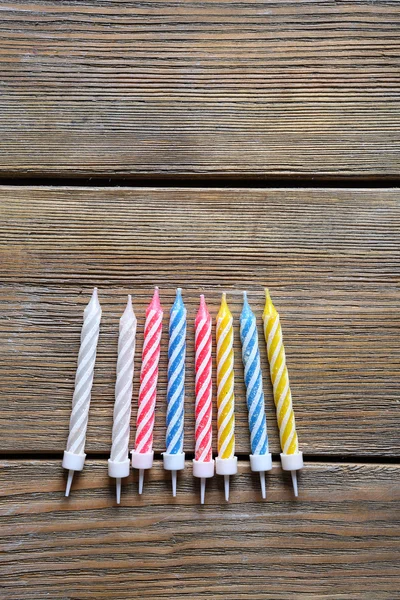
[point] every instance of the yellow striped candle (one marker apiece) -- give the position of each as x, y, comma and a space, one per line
226, 462
291, 458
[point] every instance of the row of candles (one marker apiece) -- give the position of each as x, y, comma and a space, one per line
174, 458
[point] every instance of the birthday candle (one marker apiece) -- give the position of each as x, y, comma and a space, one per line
226, 462
74, 456
203, 464
260, 458
291, 458
142, 455
174, 457
118, 463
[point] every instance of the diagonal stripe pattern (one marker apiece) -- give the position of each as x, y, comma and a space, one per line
149, 376
123, 386
280, 378
225, 382
253, 381
176, 376
203, 368
84, 376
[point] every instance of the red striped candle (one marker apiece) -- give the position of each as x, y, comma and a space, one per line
142, 455
203, 464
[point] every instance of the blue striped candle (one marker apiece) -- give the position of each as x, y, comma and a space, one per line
260, 458
174, 457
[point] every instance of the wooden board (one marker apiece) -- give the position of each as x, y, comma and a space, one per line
251, 89
339, 540
330, 257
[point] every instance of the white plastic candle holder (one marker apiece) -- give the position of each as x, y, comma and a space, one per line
203, 470
118, 470
259, 463
226, 467
292, 463
174, 463
142, 461
72, 462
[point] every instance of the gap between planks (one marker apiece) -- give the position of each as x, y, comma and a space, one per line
189, 456
206, 181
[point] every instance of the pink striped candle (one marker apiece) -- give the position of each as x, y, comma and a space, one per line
142, 455
203, 464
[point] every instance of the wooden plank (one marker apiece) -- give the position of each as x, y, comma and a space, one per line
257, 88
339, 540
330, 257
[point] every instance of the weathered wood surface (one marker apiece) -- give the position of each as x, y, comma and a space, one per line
256, 88
330, 257
340, 540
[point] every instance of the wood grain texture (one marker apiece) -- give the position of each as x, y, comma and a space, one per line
340, 540
330, 257
258, 88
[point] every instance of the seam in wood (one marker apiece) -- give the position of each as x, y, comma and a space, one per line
204, 181
311, 458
